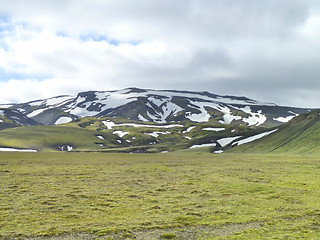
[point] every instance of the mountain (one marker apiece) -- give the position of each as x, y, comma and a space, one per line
13, 118
301, 135
161, 106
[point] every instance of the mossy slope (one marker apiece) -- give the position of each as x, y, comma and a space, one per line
299, 136
52, 138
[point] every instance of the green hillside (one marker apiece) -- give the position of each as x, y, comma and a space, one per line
54, 138
153, 137
121, 135
299, 136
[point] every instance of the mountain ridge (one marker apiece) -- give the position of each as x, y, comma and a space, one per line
161, 106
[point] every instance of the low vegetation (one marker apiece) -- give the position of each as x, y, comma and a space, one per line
91, 134
49, 138
300, 136
180, 195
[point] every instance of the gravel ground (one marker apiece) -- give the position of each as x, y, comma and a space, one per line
187, 233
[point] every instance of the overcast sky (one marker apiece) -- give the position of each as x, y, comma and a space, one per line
267, 50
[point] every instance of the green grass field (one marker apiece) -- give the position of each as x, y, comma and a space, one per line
181, 195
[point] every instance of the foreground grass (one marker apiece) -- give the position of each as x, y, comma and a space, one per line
162, 196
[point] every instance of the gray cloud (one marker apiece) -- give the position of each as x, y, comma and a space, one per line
267, 50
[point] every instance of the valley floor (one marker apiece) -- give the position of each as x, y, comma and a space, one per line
181, 195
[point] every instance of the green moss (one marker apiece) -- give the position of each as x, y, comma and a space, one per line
211, 196
168, 235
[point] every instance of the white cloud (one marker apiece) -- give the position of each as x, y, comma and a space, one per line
252, 48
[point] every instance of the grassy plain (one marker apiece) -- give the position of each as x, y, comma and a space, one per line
181, 195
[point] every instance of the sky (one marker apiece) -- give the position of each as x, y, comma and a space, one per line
267, 50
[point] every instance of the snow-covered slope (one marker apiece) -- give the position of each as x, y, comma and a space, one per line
158, 106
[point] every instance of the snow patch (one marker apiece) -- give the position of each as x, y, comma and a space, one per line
1, 113
151, 116
189, 129
204, 116
222, 99
79, 108
155, 101
65, 148
283, 119
296, 114
120, 133
16, 150
62, 120
156, 134
218, 152
101, 137
253, 138
36, 112
106, 100
141, 118
109, 124
168, 108
5, 105
213, 129
36, 103
58, 100
150, 126
204, 145
225, 141
228, 118
255, 118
